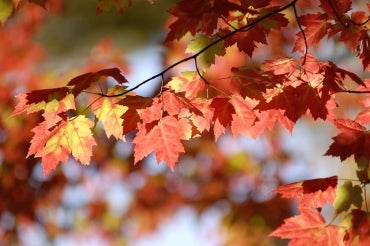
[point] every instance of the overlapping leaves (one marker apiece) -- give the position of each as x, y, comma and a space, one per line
257, 96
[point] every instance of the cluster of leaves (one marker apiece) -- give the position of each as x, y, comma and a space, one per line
250, 99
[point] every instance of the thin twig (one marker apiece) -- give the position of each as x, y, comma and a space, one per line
198, 71
356, 92
303, 35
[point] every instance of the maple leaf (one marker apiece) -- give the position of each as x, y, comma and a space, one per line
84, 81
279, 66
359, 228
206, 58
317, 27
247, 41
163, 138
188, 82
296, 101
198, 15
54, 109
250, 82
53, 104
152, 113
334, 76
201, 122
353, 139
244, 116
276, 21
347, 195
363, 117
35, 100
266, 119
131, 117
176, 103
314, 193
110, 113
309, 228
222, 116
73, 136
340, 7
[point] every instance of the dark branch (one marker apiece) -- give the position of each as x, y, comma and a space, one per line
241, 29
303, 35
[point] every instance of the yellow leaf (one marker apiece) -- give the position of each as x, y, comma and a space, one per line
109, 112
70, 137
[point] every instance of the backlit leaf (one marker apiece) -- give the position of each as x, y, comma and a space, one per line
110, 113
73, 136
347, 195
163, 138
84, 81
309, 228
206, 58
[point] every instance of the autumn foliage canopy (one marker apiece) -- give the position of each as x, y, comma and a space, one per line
231, 67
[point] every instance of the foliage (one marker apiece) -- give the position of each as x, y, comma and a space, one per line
241, 82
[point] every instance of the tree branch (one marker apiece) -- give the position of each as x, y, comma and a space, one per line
241, 29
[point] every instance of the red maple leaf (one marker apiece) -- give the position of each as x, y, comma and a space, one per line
162, 137
244, 116
249, 82
135, 104
38, 96
311, 194
279, 66
359, 232
189, 83
339, 6
353, 139
317, 27
266, 119
296, 101
247, 41
152, 113
72, 136
198, 16
309, 228
201, 122
84, 81
222, 116
176, 103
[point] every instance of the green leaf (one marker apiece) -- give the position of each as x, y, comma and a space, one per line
206, 58
6, 8
348, 195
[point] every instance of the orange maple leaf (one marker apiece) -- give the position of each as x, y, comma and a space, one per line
162, 137
73, 136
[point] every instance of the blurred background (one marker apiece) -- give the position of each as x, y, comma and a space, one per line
220, 192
